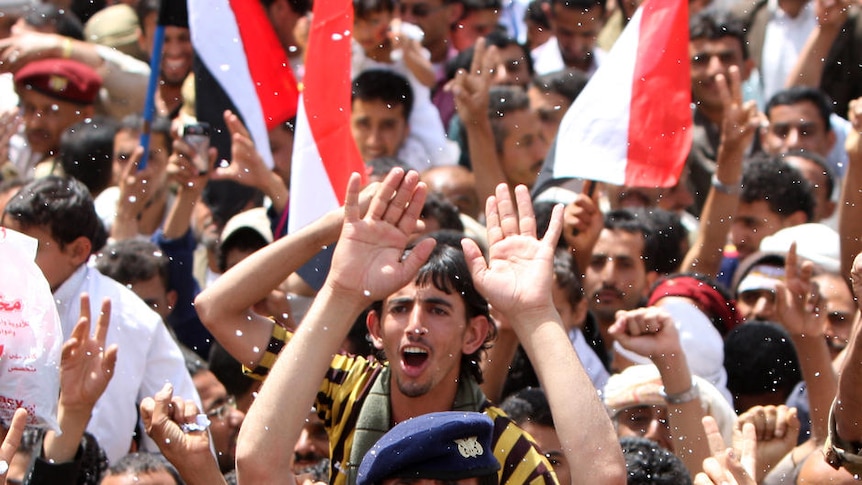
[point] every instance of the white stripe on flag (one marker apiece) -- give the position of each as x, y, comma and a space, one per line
592, 142
309, 181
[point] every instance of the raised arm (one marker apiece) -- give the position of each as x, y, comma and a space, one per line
517, 281
651, 332
738, 128
470, 89
850, 207
228, 314
808, 70
367, 265
86, 368
796, 312
848, 401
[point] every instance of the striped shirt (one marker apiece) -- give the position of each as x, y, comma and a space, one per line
347, 384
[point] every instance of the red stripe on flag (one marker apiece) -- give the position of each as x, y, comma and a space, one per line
327, 91
660, 120
267, 62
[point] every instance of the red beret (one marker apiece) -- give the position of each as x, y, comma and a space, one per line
62, 79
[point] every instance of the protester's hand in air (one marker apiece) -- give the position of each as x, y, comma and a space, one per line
648, 331
776, 429
796, 298
11, 439
726, 466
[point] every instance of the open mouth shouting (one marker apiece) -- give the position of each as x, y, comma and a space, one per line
413, 360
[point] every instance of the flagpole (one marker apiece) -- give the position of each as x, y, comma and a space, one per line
152, 84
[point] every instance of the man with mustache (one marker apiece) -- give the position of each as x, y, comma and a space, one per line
620, 270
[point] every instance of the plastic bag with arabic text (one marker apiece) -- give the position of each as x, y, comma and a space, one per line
31, 337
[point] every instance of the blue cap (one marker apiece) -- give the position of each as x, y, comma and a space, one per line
439, 446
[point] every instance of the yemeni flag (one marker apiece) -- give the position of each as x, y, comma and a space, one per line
632, 124
236, 43
324, 152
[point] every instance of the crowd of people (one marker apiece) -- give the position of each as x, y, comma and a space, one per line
466, 317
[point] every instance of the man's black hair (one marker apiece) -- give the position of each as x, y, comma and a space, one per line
802, 94
300, 7
243, 239
672, 240
160, 125
535, 13
133, 261
443, 211
386, 86
778, 184
228, 371
637, 222
446, 269
543, 210
504, 100
63, 206
647, 463
821, 163
568, 83
717, 23
142, 462
87, 152
63, 22
529, 405
364, 8
760, 357
501, 39
579, 5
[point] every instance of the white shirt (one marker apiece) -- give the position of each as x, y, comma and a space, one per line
785, 36
591, 362
147, 357
547, 58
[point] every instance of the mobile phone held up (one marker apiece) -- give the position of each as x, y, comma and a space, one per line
197, 135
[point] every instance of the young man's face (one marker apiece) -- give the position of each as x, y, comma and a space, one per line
177, 52
616, 278
435, 17
371, 31
524, 147
424, 331
576, 32
710, 57
378, 128
154, 294
840, 310
56, 261
753, 222
473, 26
549, 443
46, 118
796, 127
125, 143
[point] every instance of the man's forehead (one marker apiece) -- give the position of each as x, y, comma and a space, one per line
422, 291
802, 110
378, 107
727, 44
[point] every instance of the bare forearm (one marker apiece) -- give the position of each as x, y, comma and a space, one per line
227, 312
717, 216
271, 428
484, 158
685, 418
179, 217
62, 448
848, 407
821, 381
850, 214
579, 415
808, 70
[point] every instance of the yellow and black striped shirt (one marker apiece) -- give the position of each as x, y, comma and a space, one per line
344, 389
